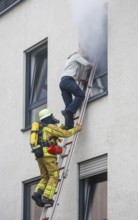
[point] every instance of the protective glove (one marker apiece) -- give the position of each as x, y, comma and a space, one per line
78, 127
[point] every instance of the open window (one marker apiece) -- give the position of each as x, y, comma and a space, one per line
36, 81
100, 84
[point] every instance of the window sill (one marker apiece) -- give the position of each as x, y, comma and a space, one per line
26, 129
98, 96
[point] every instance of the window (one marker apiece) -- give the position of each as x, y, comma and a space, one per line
99, 87
30, 210
36, 81
5, 5
93, 189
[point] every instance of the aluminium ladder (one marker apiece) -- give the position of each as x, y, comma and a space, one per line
67, 153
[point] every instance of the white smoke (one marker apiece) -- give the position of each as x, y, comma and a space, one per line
91, 20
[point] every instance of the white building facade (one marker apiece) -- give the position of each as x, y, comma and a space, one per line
36, 37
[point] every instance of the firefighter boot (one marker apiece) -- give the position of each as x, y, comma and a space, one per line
37, 197
47, 201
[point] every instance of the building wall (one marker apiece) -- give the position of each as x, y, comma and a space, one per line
123, 65
110, 124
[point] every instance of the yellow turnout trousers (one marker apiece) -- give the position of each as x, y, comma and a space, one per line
49, 176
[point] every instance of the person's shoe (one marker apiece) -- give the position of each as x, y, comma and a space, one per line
37, 198
47, 201
63, 112
67, 128
69, 123
66, 112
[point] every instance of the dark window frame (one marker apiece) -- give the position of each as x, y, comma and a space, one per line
100, 94
91, 172
26, 196
28, 107
6, 5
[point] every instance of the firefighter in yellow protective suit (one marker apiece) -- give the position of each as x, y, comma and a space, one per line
47, 162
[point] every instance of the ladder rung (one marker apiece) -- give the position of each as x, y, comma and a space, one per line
68, 143
61, 168
64, 155
55, 194
75, 118
48, 206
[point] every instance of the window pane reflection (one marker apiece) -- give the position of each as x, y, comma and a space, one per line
93, 198
35, 211
38, 76
98, 209
31, 210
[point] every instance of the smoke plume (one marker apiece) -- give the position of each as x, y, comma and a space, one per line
91, 20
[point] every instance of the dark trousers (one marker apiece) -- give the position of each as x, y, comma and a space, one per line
70, 88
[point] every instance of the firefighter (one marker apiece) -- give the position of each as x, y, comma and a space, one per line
69, 87
47, 162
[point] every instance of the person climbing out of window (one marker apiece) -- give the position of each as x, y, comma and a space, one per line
71, 75
48, 136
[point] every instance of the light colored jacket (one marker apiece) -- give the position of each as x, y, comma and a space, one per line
73, 65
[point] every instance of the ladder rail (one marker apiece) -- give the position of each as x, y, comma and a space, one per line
80, 120
72, 147
87, 93
60, 161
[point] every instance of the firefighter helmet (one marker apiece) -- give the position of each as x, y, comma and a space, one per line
44, 113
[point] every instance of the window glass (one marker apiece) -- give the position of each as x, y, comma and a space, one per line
38, 76
35, 211
99, 88
31, 210
93, 198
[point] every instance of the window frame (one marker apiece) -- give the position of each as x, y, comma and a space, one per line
10, 6
93, 170
28, 107
27, 197
101, 94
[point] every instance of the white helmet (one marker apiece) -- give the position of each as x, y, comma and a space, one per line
44, 113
